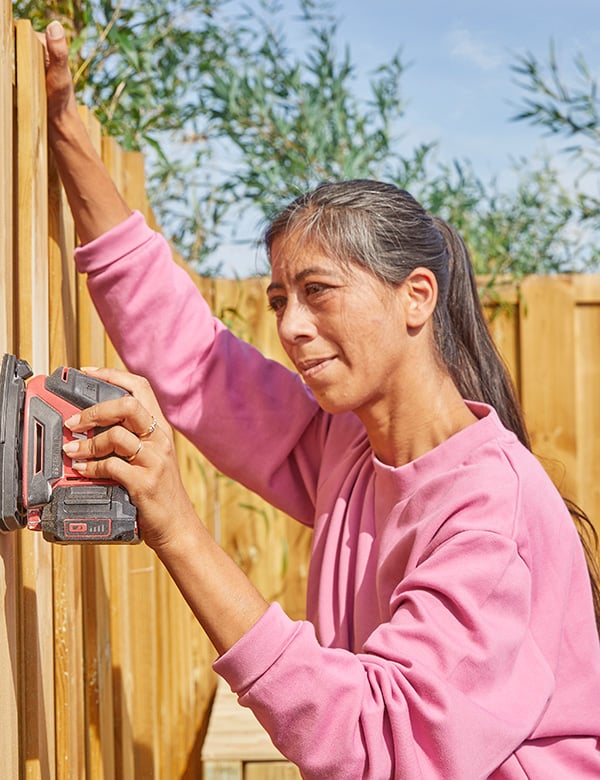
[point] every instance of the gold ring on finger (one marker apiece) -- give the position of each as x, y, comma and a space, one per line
131, 458
150, 430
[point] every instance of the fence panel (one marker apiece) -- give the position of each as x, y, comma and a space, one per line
106, 673
9, 630
36, 649
560, 366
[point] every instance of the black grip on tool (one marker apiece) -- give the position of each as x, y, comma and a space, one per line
81, 389
13, 374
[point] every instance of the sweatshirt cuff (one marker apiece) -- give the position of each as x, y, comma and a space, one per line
117, 242
253, 655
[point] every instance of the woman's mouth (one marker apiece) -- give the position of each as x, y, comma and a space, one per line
309, 369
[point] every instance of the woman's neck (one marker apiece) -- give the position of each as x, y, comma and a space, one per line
420, 417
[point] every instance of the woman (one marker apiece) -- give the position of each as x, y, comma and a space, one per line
450, 629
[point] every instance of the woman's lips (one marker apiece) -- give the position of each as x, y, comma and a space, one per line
311, 368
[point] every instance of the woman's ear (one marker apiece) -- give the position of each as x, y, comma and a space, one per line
421, 297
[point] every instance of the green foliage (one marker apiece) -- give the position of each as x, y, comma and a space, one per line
525, 230
569, 110
277, 123
233, 120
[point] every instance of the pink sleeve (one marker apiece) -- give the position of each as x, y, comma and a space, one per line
250, 416
432, 692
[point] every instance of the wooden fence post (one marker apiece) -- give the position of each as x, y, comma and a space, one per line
9, 631
37, 725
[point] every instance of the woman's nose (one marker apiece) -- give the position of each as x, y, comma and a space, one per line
296, 323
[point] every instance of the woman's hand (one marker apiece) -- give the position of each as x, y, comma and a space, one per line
95, 202
60, 93
138, 452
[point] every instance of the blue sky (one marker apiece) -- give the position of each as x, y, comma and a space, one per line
459, 88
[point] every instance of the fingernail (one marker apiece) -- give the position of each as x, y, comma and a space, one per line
55, 30
87, 369
73, 422
80, 465
70, 447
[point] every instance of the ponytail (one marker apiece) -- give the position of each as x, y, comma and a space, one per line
467, 347
480, 374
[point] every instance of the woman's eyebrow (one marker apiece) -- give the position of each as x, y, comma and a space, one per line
316, 270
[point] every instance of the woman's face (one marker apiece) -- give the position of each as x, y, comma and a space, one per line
342, 327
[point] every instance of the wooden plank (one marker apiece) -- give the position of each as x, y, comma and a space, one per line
6, 180
123, 659
586, 288
112, 157
36, 705
587, 383
223, 770
143, 627
234, 733
134, 182
9, 567
503, 322
98, 662
32, 212
36, 647
122, 653
96, 579
62, 281
71, 724
91, 331
67, 571
10, 681
548, 376
273, 770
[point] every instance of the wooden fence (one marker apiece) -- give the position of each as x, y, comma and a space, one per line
104, 672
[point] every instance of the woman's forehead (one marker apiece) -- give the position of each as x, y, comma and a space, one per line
292, 254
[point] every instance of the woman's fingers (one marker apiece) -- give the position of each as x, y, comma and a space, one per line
140, 389
59, 83
127, 412
114, 441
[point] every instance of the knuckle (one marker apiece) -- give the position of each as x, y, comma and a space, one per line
91, 414
130, 404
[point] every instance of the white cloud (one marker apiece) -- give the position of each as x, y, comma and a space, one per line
465, 46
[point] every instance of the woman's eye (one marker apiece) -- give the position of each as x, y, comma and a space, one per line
314, 288
277, 304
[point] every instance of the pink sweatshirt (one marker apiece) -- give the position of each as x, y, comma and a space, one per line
450, 630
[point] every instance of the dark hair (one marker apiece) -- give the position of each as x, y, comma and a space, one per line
385, 230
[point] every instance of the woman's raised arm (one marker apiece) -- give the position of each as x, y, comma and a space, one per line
93, 197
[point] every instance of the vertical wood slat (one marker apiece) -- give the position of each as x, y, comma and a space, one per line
91, 331
37, 707
273, 770
67, 569
96, 579
9, 626
32, 216
587, 403
122, 654
142, 588
548, 353
6, 180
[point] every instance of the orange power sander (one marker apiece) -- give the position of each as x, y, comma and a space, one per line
39, 487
